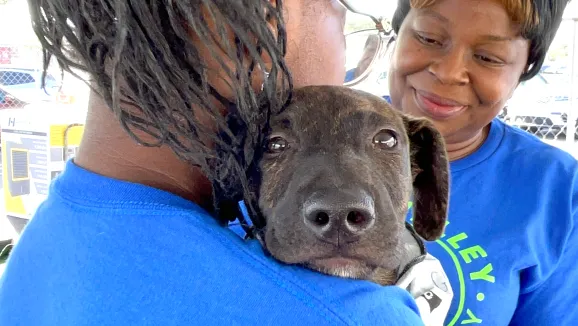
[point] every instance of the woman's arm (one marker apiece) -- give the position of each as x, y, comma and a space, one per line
555, 300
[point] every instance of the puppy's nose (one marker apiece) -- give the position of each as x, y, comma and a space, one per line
334, 221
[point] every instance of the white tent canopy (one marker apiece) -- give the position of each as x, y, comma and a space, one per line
571, 11
15, 26
571, 14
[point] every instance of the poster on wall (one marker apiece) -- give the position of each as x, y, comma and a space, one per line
36, 143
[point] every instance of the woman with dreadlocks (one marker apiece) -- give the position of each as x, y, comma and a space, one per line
128, 234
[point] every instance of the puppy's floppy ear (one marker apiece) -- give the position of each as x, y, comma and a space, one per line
430, 169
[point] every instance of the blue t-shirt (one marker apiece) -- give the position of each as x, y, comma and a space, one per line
101, 251
511, 244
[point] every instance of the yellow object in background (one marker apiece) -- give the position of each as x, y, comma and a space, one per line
36, 143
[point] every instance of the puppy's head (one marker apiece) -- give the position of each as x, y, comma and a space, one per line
337, 176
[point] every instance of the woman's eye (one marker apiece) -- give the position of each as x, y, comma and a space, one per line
385, 139
276, 145
428, 40
487, 59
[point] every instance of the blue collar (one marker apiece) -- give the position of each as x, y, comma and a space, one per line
236, 226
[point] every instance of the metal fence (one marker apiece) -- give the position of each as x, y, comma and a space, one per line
21, 82
543, 107
20, 86
547, 105
21, 64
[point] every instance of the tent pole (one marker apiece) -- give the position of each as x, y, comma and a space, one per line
573, 108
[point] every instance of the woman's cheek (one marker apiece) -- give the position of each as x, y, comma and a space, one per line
493, 91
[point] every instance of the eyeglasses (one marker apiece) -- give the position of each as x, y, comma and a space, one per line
367, 39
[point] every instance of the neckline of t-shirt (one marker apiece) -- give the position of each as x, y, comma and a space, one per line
485, 151
90, 189
87, 188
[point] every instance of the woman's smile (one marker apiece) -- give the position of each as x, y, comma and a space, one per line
437, 107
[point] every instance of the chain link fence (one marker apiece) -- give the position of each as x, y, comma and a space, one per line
21, 65
20, 58
21, 82
20, 86
542, 106
547, 105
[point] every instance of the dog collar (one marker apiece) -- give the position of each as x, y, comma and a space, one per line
244, 226
414, 250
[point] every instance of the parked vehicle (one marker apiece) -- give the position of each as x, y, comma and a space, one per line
554, 69
26, 83
540, 105
379, 86
9, 101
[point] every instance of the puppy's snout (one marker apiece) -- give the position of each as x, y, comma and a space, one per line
338, 219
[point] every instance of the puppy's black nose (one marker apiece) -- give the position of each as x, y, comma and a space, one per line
337, 220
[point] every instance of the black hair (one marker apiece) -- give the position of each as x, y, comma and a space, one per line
549, 17
140, 57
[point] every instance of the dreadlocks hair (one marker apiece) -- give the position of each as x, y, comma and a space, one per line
539, 21
142, 61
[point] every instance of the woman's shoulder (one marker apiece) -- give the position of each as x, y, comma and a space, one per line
516, 159
528, 149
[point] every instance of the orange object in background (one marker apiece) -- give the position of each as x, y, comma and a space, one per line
64, 98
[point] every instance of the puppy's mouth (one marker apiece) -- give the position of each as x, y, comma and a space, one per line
348, 259
342, 266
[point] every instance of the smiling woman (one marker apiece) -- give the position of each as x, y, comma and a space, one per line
512, 224
488, 48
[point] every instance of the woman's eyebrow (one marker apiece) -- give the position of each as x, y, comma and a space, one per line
496, 38
488, 37
434, 14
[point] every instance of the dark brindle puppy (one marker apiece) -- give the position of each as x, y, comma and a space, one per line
337, 177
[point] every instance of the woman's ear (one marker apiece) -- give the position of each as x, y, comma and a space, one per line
430, 173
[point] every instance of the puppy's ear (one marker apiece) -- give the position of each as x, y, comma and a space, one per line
429, 166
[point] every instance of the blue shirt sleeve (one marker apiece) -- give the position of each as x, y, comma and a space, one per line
553, 302
127, 254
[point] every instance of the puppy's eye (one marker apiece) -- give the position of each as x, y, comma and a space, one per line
277, 145
385, 139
